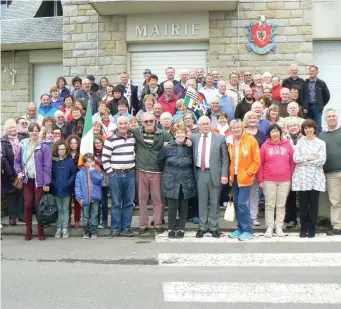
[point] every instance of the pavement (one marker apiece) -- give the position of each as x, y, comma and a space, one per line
155, 272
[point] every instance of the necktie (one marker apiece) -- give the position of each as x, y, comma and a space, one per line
203, 153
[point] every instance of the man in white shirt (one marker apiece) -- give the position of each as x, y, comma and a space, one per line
209, 91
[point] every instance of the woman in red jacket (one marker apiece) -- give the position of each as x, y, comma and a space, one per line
274, 177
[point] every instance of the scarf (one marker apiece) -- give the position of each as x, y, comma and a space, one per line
223, 129
106, 122
168, 97
154, 91
295, 137
14, 140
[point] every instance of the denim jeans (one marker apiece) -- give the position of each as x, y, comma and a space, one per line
122, 191
316, 115
90, 217
241, 199
103, 209
63, 211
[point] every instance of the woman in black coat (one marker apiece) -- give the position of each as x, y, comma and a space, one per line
10, 148
176, 161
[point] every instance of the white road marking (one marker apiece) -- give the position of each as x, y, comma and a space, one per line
250, 259
258, 238
255, 292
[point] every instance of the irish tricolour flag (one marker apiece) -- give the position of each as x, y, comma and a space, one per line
87, 137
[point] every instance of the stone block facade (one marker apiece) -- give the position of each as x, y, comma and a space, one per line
83, 53
293, 20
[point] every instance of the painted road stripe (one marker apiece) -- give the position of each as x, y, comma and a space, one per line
258, 238
251, 259
255, 292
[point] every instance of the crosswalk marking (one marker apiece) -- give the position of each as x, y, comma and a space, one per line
250, 259
252, 292
258, 238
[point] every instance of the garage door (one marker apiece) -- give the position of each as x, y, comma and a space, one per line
327, 56
44, 77
157, 57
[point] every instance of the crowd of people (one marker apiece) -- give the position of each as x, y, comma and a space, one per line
260, 139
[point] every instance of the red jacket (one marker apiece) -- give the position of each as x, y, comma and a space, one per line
277, 163
275, 93
168, 106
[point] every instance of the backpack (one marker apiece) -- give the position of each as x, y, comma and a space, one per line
47, 211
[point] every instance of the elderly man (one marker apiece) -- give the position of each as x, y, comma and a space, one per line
233, 89
88, 96
317, 96
32, 115
211, 171
60, 121
332, 168
248, 80
118, 159
169, 98
166, 121
227, 104
130, 92
22, 126
190, 83
209, 91
293, 81
293, 111
283, 104
94, 86
216, 78
263, 124
149, 141
180, 88
245, 105
258, 87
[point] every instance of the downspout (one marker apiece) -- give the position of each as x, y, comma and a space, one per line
238, 34
97, 38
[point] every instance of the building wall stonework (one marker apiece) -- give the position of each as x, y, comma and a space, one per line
293, 33
93, 44
14, 98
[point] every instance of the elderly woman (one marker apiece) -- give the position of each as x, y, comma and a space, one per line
62, 90
267, 80
214, 110
46, 108
263, 124
274, 177
272, 114
293, 135
223, 126
257, 90
76, 125
176, 162
244, 164
148, 103
33, 165
60, 121
251, 127
308, 178
181, 111
168, 98
190, 121
10, 149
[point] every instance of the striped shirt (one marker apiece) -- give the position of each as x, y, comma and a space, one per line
118, 153
148, 138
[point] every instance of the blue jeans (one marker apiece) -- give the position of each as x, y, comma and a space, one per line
316, 115
241, 200
63, 211
103, 210
90, 217
122, 191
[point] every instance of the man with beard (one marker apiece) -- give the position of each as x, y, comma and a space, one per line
245, 105
22, 126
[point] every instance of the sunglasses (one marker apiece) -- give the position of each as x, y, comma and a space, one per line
148, 121
247, 74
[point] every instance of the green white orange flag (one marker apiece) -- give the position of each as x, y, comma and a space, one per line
87, 137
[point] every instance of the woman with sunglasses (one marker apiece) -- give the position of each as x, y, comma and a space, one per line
274, 177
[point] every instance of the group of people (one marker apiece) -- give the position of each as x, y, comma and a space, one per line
258, 138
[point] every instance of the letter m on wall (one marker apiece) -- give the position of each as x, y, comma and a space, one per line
141, 31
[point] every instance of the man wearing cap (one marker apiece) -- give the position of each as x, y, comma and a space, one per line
94, 86
146, 75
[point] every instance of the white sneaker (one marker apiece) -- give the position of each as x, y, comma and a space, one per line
65, 233
268, 233
256, 222
58, 233
225, 204
279, 233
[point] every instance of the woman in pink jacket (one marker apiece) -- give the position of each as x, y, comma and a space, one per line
274, 177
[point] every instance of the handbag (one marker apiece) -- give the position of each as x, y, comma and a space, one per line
230, 213
18, 183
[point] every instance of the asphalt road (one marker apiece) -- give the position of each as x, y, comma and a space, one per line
145, 272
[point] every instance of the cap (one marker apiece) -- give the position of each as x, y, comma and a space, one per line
147, 71
91, 77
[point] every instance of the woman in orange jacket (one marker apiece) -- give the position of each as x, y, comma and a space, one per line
244, 163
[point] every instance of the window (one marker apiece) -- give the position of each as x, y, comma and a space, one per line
4, 7
50, 9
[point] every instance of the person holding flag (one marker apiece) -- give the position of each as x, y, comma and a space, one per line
196, 102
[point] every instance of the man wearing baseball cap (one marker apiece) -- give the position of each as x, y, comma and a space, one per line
146, 74
94, 86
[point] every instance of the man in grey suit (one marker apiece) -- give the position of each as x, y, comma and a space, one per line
211, 161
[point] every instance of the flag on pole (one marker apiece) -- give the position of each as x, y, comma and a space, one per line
196, 102
87, 137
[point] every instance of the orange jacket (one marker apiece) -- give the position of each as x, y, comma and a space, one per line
249, 160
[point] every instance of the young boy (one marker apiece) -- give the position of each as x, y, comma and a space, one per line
88, 193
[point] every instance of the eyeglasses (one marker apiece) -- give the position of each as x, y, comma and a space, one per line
61, 149
247, 74
148, 121
60, 117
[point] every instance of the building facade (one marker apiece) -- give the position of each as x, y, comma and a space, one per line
105, 38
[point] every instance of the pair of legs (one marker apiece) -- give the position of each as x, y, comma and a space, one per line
15, 206
308, 212
90, 218
76, 208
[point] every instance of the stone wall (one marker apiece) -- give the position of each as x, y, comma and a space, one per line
82, 43
293, 35
14, 99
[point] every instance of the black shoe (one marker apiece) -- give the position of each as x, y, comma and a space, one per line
171, 234
303, 234
215, 234
180, 234
200, 234
128, 233
159, 230
152, 223
143, 230
311, 234
114, 234
163, 221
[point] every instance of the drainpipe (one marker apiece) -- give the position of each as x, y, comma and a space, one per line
97, 39
238, 35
